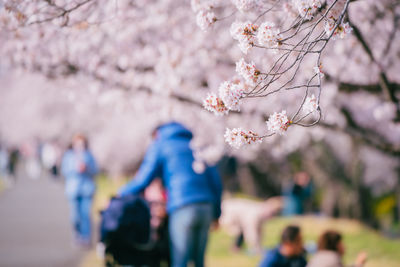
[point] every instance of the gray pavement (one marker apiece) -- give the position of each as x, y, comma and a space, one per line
34, 226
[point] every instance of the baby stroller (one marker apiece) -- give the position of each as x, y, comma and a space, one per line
130, 236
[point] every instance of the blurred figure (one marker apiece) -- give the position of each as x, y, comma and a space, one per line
3, 162
13, 159
296, 194
331, 251
49, 156
248, 228
31, 156
156, 196
79, 168
290, 252
193, 199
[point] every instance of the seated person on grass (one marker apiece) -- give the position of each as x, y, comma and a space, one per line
290, 252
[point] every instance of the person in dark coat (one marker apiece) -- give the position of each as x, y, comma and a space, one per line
13, 161
193, 199
297, 194
290, 253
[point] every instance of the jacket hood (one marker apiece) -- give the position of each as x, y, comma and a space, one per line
173, 130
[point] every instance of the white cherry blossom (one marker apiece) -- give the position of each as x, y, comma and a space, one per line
278, 122
215, 104
245, 34
205, 19
310, 105
230, 93
237, 137
268, 35
248, 71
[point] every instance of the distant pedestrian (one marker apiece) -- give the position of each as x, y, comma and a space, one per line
296, 194
79, 169
13, 160
50, 158
3, 162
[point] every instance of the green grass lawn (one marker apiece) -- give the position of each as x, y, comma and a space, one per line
2, 184
382, 252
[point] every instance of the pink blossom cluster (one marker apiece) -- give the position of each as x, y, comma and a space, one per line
237, 137
310, 105
278, 122
11, 16
332, 18
307, 8
215, 104
198, 5
341, 31
248, 71
245, 34
230, 93
318, 70
335, 10
268, 35
244, 5
205, 19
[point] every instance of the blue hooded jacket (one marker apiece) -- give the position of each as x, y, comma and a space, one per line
79, 184
170, 157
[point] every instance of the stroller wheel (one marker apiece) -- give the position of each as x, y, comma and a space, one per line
109, 261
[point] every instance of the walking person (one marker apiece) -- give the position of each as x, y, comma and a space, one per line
79, 169
193, 199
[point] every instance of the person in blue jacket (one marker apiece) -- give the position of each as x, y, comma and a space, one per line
79, 169
193, 199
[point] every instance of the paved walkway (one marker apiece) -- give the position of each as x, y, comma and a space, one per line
34, 226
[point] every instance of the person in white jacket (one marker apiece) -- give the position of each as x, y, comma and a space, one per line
331, 250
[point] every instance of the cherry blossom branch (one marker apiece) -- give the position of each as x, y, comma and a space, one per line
285, 68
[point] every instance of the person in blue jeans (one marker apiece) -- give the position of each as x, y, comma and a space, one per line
193, 199
290, 252
79, 169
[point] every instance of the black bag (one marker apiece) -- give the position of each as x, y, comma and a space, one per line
125, 221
